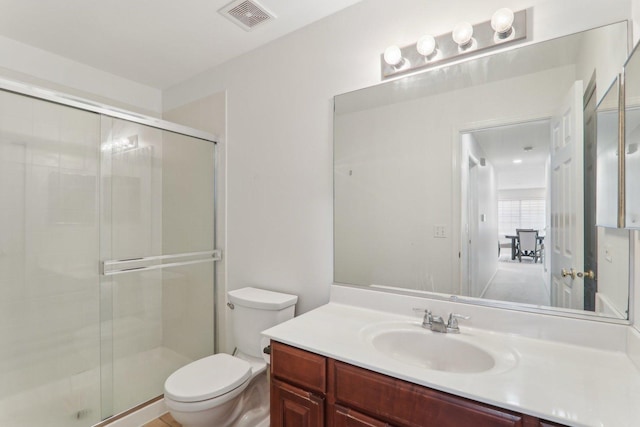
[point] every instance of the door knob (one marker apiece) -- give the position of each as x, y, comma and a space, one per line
589, 274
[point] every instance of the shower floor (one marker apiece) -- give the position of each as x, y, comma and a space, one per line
75, 401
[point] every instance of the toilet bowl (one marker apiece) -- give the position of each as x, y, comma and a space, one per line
231, 391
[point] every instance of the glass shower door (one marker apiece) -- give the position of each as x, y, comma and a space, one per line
157, 255
49, 240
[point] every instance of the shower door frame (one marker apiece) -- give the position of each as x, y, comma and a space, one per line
80, 103
95, 107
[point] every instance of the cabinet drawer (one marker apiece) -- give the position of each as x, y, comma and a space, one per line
406, 404
299, 367
345, 417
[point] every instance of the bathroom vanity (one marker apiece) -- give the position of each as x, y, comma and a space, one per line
354, 364
311, 390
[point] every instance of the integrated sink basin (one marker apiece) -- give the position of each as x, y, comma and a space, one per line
467, 352
433, 351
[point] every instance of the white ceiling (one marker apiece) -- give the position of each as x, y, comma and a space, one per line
502, 145
155, 42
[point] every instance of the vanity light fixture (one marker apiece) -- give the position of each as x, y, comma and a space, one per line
502, 23
505, 27
427, 47
393, 56
463, 35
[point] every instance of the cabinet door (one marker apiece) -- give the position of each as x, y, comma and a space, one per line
410, 405
299, 367
294, 407
344, 417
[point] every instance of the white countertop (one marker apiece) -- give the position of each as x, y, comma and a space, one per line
569, 384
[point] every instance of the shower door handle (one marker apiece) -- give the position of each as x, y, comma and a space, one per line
121, 266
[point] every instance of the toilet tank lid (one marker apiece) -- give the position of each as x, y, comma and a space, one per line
262, 299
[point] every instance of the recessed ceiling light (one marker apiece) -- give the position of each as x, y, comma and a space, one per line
517, 161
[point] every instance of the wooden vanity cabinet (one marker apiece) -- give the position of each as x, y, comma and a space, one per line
298, 387
312, 390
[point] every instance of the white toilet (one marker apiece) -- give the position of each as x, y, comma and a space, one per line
231, 391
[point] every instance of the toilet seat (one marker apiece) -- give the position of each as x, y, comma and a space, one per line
207, 378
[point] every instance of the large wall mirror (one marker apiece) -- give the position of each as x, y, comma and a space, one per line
477, 180
632, 139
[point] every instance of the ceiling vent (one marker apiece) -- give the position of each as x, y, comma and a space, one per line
247, 14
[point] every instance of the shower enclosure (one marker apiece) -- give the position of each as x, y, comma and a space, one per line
107, 258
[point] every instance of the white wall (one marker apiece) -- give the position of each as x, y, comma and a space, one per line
280, 125
635, 16
523, 178
21, 62
613, 268
485, 238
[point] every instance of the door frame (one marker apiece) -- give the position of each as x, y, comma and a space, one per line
458, 240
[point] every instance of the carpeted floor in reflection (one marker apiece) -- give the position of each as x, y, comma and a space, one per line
518, 282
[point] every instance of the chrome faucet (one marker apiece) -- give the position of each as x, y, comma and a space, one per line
436, 323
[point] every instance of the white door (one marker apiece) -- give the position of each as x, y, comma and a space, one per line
567, 211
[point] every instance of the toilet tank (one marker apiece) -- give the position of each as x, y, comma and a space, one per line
255, 310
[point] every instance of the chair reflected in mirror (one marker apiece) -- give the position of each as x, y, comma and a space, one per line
528, 244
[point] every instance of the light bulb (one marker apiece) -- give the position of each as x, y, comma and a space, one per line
393, 55
462, 33
426, 45
502, 21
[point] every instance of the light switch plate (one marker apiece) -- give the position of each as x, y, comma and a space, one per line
439, 231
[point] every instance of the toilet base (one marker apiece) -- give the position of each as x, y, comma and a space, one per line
255, 404
249, 409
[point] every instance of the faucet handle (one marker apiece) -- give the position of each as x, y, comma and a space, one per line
427, 319
452, 324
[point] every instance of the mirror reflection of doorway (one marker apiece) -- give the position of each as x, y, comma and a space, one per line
507, 190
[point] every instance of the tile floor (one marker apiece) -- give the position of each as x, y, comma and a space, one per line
164, 421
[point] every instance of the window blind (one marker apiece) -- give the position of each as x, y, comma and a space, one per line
525, 213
